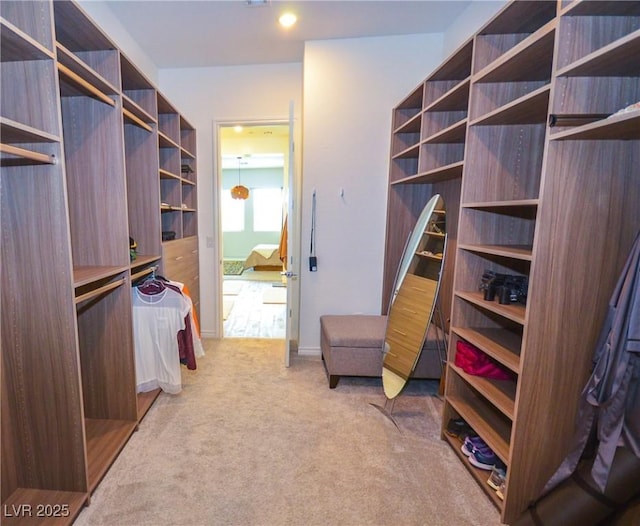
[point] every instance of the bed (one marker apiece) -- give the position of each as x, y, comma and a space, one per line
264, 257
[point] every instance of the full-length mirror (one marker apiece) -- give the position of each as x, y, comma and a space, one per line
414, 297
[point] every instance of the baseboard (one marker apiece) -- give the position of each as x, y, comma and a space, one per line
309, 351
209, 334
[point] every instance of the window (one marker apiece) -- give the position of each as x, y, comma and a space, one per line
232, 213
267, 209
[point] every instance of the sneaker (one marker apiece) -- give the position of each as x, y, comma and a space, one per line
472, 443
498, 474
458, 428
483, 458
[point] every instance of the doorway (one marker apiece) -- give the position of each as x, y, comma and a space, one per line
254, 162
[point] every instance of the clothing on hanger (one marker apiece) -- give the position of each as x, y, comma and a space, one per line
157, 320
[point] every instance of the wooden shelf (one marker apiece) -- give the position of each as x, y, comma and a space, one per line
535, 49
530, 109
412, 125
513, 312
166, 142
105, 439
503, 205
86, 275
602, 8
409, 108
84, 72
13, 132
456, 99
479, 475
409, 153
143, 260
500, 344
186, 153
484, 421
618, 59
457, 66
508, 251
455, 133
625, 126
444, 173
15, 45
165, 174
501, 393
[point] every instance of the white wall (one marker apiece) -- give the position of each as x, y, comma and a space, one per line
225, 95
350, 87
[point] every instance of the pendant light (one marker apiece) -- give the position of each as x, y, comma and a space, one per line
239, 191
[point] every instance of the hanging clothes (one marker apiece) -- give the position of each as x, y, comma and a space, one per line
282, 247
157, 320
611, 398
189, 341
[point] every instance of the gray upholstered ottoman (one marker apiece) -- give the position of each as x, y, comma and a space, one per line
352, 346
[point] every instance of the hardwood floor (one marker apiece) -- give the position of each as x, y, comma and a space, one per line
248, 316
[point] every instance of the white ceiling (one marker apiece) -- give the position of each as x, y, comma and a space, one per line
187, 33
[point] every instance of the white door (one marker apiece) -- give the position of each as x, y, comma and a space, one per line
292, 264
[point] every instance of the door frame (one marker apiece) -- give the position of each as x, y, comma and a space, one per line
294, 162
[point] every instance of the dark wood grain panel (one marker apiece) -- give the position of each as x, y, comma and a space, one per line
33, 18
93, 139
143, 189
31, 96
43, 441
105, 334
105, 439
75, 31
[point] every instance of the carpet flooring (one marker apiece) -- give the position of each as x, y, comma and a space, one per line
250, 442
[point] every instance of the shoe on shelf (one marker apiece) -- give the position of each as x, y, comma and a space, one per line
472, 443
458, 428
483, 458
498, 475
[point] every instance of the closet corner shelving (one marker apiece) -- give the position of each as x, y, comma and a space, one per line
547, 202
427, 154
84, 137
39, 358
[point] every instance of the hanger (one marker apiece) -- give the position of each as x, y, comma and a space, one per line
152, 285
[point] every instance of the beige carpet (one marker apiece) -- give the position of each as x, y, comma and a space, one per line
250, 442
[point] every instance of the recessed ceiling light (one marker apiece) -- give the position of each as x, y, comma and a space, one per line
237, 129
287, 19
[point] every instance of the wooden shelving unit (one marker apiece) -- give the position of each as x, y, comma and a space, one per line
427, 154
555, 203
84, 138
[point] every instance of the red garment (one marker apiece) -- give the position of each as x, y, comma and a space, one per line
473, 361
185, 338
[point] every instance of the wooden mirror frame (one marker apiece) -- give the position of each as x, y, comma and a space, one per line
414, 296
